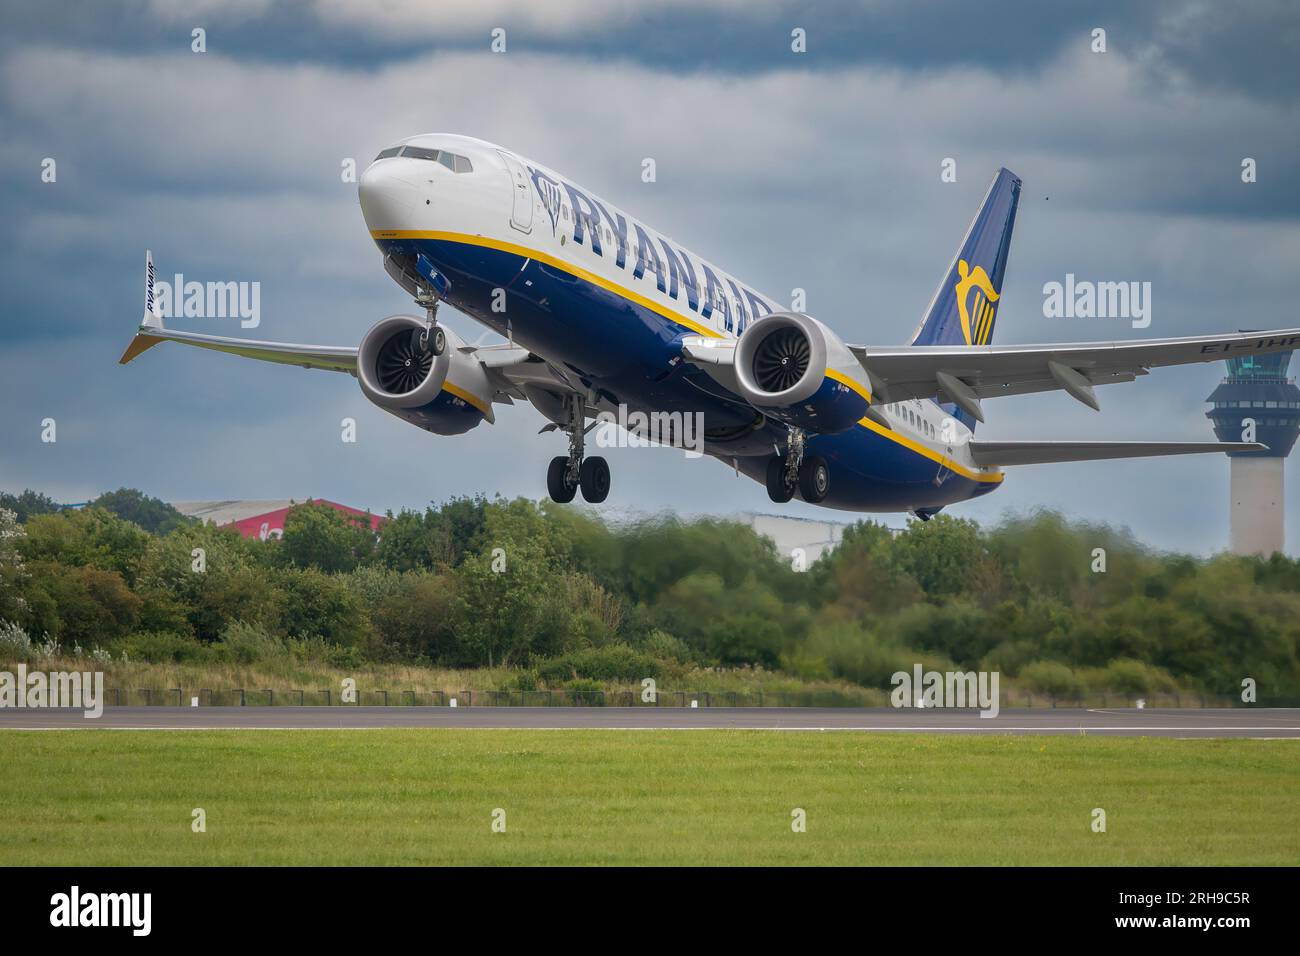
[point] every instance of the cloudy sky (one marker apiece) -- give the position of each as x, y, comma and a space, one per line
817, 170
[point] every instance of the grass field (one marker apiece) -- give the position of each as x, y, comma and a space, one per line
641, 797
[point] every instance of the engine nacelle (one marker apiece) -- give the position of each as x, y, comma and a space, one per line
446, 394
794, 368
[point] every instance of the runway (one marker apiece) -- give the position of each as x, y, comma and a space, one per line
1111, 722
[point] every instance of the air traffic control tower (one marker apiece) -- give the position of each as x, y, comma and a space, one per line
1257, 390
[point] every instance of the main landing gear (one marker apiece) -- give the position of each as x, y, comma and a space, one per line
567, 474
808, 473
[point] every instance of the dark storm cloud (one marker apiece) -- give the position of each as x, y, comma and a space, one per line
1249, 47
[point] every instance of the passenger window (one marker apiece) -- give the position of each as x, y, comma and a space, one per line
463, 165
388, 153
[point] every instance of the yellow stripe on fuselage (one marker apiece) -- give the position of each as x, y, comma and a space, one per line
930, 453
667, 313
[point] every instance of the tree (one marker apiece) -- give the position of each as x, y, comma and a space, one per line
88, 536
10, 533
13, 576
80, 605
415, 617
941, 553
746, 624
28, 504
200, 578
320, 605
459, 525
404, 543
152, 514
503, 603
862, 576
321, 537
508, 606
657, 554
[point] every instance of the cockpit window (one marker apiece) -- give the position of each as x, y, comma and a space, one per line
457, 164
419, 152
388, 153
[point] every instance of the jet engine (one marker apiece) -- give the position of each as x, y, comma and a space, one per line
447, 394
794, 368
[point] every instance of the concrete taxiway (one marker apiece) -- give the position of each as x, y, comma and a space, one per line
1235, 722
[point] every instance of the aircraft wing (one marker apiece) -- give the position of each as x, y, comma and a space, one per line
510, 369
1006, 453
336, 358
513, 372
967, 374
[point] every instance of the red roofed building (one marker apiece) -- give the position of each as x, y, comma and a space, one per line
262, 519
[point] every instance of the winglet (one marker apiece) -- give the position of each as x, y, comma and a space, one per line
152, 316
152, 308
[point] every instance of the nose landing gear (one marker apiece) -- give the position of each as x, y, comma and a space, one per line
432, 337
566, 475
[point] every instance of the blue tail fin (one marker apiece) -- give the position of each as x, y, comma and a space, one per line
965, 305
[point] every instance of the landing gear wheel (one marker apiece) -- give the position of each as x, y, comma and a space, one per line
594, 479
777, 489
438, 339
814, 479
557, 483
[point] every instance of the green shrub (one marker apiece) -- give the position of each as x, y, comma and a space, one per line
1135, 677
584, 690
1051, 678
524, 680
16, 645
847, 651
1009, 657
321, 605
615, 662
161, 647
248, 643
317, 650
666, 647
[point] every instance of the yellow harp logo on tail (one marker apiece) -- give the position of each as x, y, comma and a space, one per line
976, 310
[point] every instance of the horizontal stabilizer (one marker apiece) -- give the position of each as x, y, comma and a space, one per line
1005, 453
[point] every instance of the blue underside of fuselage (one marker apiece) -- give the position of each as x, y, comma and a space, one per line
632, 355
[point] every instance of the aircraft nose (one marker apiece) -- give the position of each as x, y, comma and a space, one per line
389, 197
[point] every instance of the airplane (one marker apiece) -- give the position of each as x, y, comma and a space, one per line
602, 312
